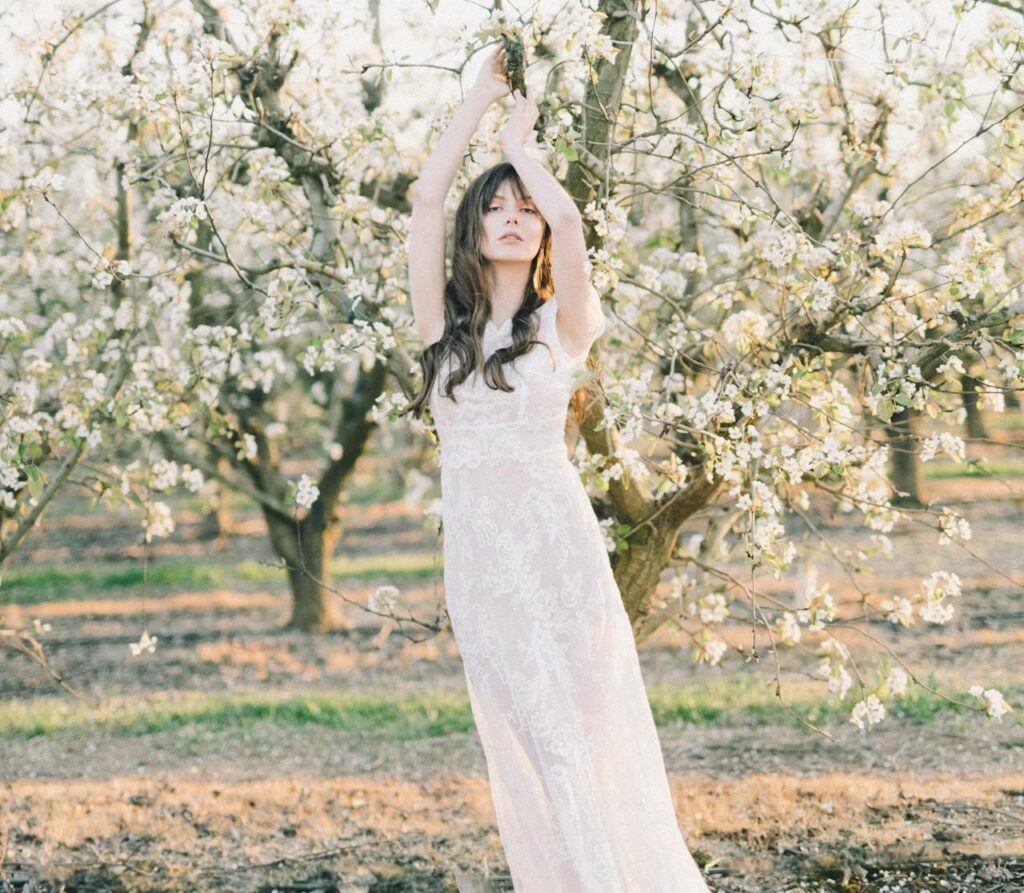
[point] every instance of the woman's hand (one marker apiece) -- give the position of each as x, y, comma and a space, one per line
492, 82
520, 122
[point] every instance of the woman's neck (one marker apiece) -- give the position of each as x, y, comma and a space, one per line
508, 287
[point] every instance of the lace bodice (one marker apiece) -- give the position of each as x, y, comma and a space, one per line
486, 424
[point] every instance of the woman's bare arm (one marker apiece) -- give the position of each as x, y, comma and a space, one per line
426, 226
580, 317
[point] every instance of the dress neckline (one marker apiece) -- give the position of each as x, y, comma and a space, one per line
508, 322
490, 324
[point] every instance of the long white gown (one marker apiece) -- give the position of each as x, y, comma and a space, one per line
574, 763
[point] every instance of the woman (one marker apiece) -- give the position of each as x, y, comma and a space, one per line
573, 759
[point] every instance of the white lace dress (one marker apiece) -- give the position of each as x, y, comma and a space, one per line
574, 763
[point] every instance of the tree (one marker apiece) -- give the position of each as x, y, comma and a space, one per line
211, 158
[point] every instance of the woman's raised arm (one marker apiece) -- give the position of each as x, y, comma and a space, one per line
426, 226
580, 318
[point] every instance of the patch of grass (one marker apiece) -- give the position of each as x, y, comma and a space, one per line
983, 468
726, 701
46, 583
60, 583
237, 502
404, 718
749, 701
400, 718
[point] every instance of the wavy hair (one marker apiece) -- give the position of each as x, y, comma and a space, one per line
467, 300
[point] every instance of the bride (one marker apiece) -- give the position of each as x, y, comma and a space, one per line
576, 773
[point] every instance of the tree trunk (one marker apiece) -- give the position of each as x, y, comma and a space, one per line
638, 571
976, 429
308, 549
217, 520
905, 466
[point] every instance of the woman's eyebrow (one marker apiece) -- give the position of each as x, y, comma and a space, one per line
525, 198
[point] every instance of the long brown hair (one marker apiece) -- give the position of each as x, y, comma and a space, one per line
467, 300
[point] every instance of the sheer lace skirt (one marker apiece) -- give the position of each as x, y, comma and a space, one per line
575, 766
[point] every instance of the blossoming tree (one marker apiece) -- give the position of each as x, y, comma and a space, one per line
803, 240
189, 265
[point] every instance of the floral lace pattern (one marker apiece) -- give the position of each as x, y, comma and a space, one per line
574, 763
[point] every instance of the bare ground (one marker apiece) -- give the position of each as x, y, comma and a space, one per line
765, 806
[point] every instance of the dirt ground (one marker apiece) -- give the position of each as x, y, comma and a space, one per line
765, 805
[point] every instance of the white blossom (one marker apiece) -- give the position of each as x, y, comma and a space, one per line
952, 527
867, 713
306, 492
158, 520
745, 329
45, 182
182, 216
944, 442
383, 599
897, 681
995, 704
146, 643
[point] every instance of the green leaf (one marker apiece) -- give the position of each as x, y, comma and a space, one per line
36, 481
563, 148
885, 410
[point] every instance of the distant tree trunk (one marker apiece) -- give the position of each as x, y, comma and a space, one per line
905, 466
308, 548
307, 545
217, 520
976, 429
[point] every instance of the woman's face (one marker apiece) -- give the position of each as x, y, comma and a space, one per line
507, 214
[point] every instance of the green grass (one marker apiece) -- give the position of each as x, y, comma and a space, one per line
749, 701
723, 701
403, 718
985, 468
61, 583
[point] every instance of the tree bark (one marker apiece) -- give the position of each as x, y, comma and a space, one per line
217, 520
308, 549
905, 464
976, 429
638, 569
